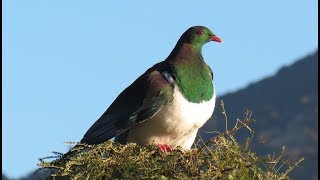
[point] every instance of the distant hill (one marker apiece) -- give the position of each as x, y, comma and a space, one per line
4, 177
285, 107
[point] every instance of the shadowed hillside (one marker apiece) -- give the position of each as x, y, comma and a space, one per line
286, 109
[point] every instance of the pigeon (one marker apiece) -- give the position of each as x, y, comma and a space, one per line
167, 104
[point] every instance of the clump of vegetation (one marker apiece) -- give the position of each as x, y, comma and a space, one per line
222, 157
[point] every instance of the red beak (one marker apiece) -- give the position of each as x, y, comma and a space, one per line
216, 38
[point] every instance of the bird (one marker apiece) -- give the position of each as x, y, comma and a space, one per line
167, 104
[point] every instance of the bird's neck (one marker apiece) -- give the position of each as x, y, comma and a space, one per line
191, 73
185, 51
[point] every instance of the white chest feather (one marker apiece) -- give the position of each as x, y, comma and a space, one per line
175, 124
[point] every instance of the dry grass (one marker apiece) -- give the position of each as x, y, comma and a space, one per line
222, 157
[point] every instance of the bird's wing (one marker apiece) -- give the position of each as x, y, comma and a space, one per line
139, 102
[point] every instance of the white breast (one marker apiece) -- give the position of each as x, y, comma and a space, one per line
175, 124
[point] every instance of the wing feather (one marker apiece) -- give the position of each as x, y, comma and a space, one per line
139, 102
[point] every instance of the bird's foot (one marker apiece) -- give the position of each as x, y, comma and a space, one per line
164, 148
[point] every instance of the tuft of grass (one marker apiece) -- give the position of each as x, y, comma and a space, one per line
222, 157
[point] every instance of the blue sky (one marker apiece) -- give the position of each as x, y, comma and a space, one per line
64, 62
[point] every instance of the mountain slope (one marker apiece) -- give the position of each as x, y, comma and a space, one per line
285, 107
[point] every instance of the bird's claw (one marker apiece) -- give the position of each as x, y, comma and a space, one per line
164, 148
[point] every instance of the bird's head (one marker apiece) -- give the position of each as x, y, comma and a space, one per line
198, 36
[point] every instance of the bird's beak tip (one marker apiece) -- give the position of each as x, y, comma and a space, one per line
216, 39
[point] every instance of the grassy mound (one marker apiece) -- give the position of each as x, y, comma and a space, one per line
222, 157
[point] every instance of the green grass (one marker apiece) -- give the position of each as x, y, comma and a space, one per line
222, 157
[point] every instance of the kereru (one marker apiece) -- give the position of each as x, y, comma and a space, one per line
167, 104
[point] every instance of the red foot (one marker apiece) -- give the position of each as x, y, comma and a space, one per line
164, 148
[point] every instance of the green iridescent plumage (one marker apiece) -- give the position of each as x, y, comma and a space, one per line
192, 75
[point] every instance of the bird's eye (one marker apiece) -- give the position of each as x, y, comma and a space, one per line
200, 32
